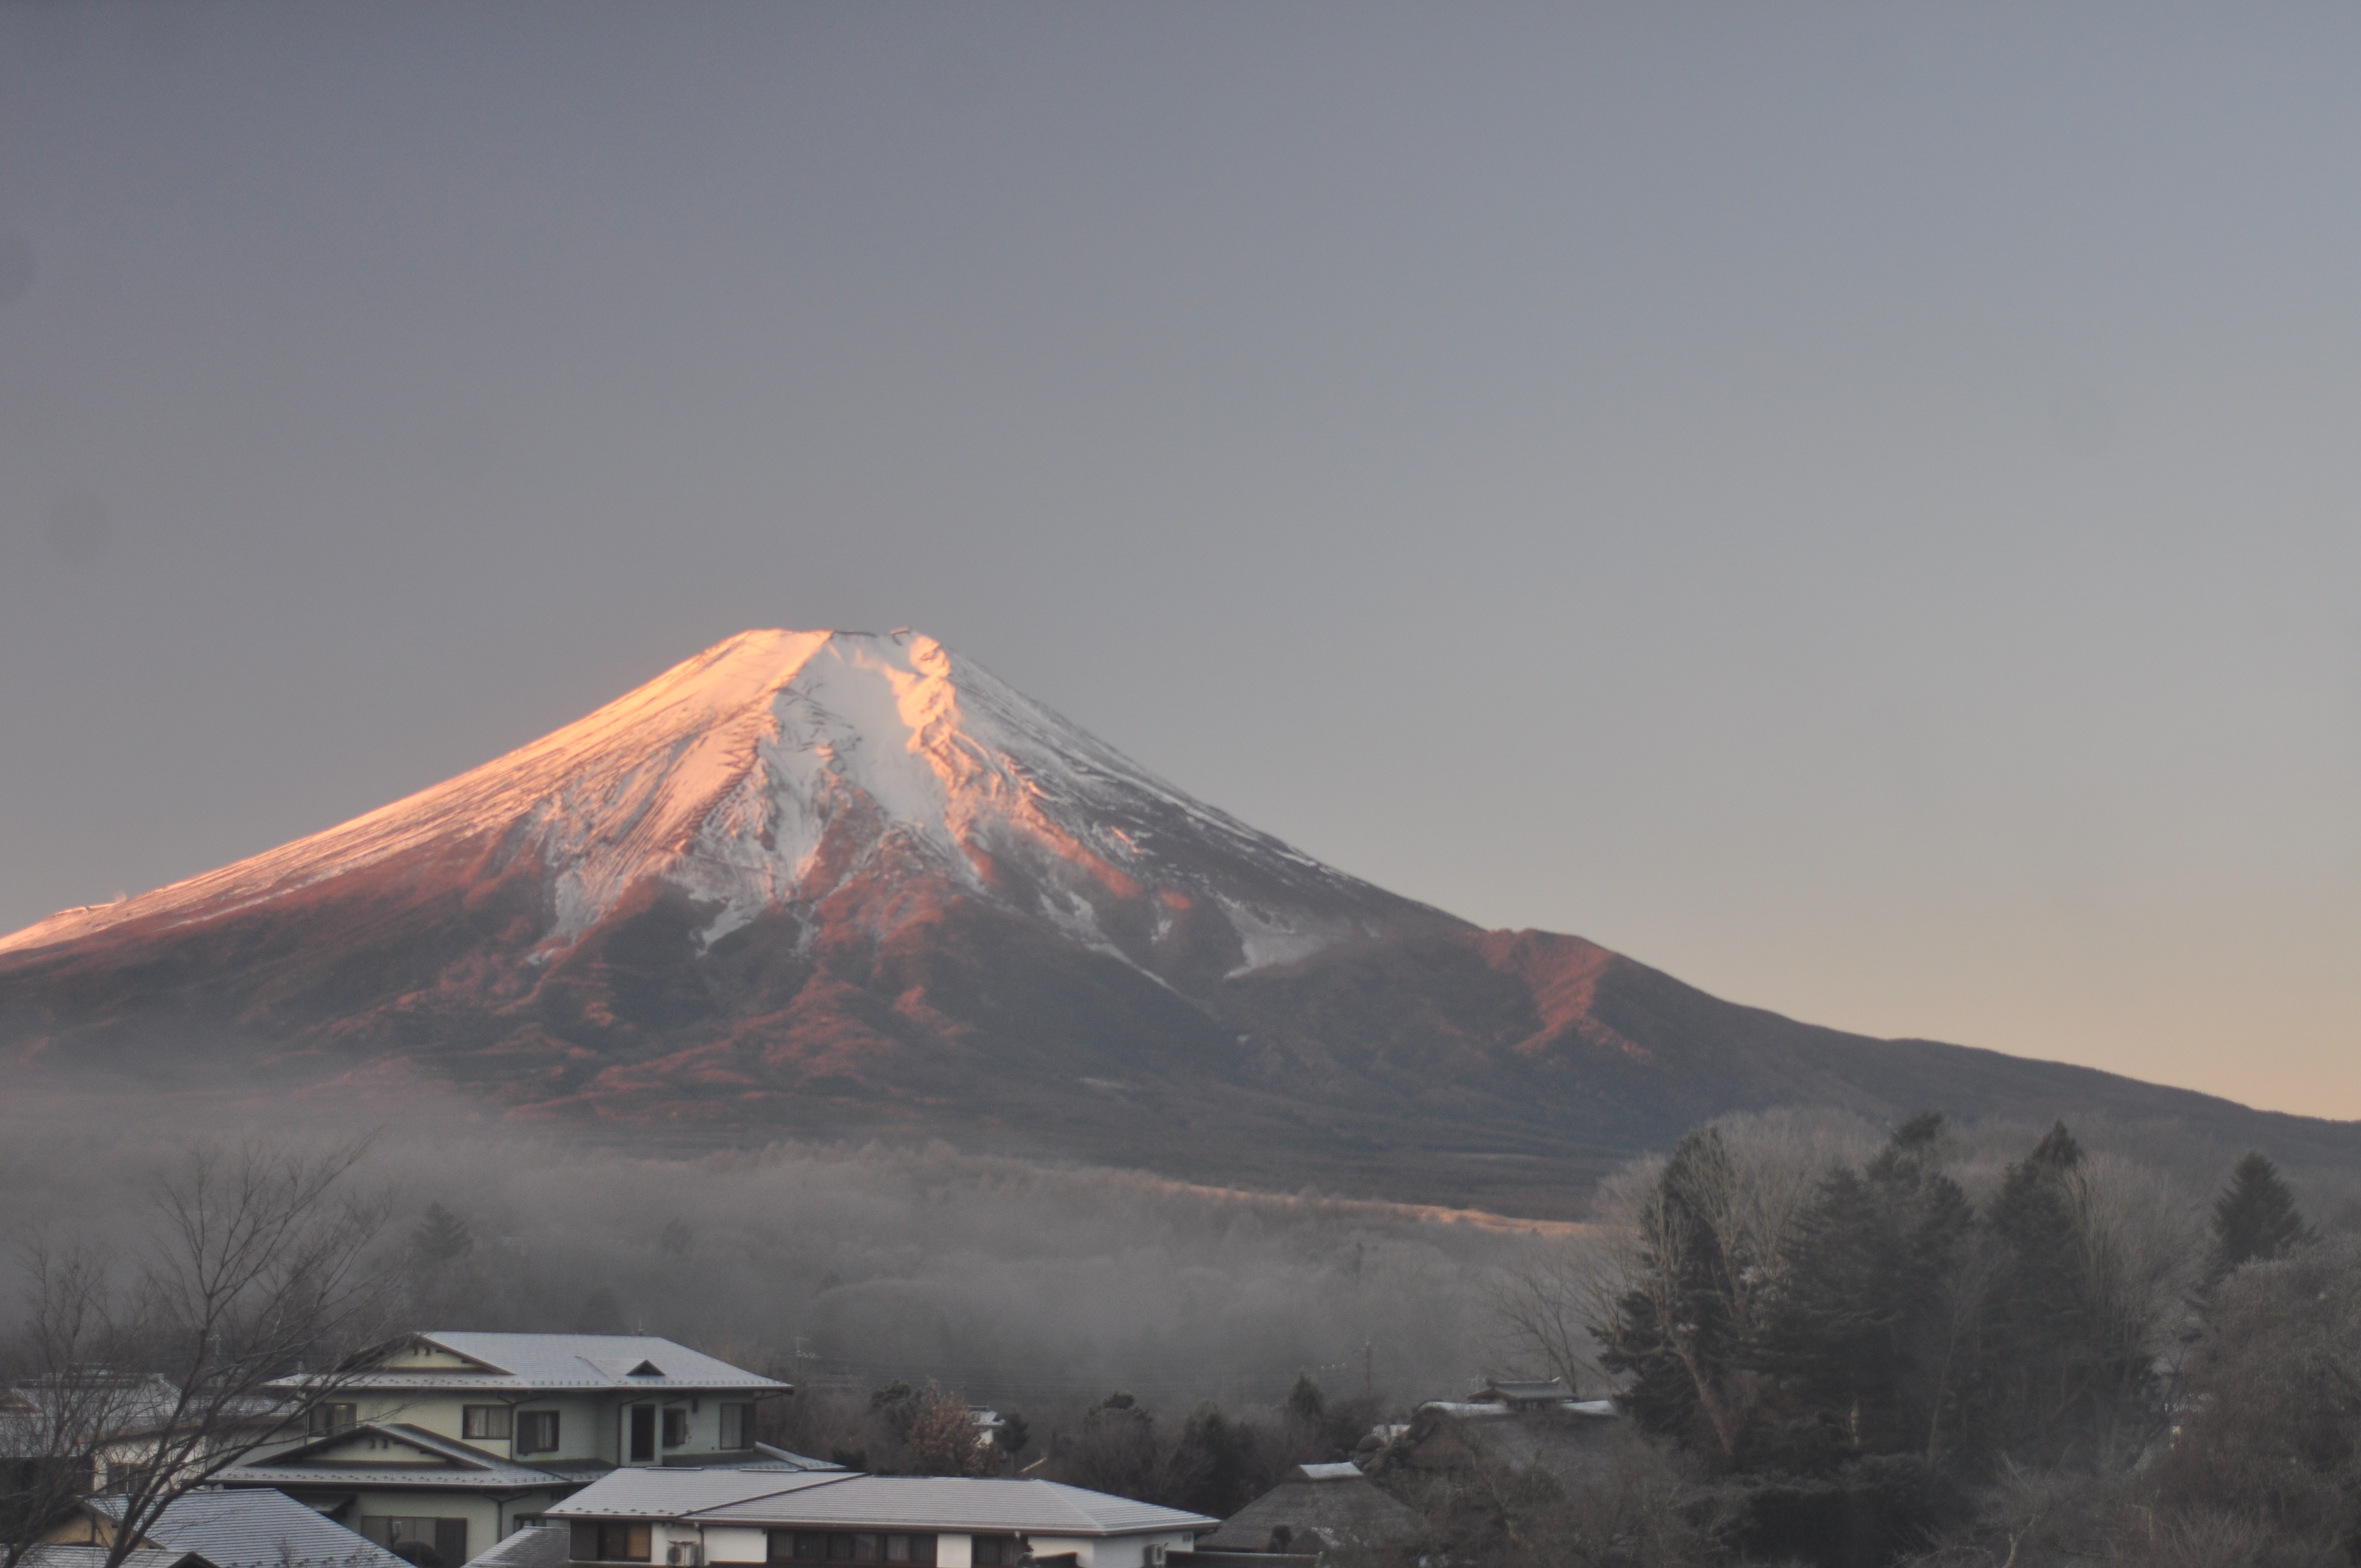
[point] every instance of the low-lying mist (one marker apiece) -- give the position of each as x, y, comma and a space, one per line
849, 1268
854, 1267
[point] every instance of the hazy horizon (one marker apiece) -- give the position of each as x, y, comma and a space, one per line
1851, 509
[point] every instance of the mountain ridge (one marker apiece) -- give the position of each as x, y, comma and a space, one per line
826, 884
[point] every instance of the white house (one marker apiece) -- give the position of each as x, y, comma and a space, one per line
441, 1444
684, 1517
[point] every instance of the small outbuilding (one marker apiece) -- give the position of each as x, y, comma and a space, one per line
1317, 1508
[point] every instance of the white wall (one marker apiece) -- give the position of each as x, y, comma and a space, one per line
734, 1543
477, 1511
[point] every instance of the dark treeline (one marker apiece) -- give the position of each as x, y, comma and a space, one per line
1841, 1351
1913, 1357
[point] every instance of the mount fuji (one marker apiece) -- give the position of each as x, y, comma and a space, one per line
843, 885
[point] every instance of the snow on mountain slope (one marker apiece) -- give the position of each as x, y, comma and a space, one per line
769, 769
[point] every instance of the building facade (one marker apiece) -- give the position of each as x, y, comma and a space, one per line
440, 1444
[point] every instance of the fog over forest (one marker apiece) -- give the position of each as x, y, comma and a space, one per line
1005, 1280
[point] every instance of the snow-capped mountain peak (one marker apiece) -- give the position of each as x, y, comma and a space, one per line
776, 767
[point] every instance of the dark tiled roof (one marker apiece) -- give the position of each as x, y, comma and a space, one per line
1338, 1511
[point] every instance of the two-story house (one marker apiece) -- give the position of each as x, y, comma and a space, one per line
439, 1444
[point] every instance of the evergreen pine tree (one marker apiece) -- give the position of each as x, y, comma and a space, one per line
442, 1237
1674, 1331
2255, 1217
1856, 1326
2057, 1373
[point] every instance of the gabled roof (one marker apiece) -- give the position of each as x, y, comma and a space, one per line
255, 1529
883, 1502
449, 1464
74, 1554
520, 1363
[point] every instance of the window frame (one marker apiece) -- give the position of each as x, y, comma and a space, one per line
332, 1420
498, 1423
600, 1535
741, 1416
524, 1421
803, 1546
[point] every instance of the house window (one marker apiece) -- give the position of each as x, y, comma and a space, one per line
676, 1429
484, 1420
327, 1421
597, 1540
995, 1549
536, 1431
737, 1426
640, 1421
851, 1546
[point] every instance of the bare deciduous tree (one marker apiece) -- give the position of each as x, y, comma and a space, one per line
149, 1373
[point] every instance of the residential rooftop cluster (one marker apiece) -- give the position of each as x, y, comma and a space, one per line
466, 1450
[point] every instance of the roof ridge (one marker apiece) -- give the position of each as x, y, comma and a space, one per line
802, 1485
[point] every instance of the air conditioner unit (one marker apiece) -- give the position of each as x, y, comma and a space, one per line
684, 1554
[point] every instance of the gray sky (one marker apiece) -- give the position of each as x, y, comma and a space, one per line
1853, 506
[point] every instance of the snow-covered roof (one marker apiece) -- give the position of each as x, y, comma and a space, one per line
1339, 1472
255, 1529
525, 1363
881, 1502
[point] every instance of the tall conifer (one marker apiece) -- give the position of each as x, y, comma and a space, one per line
1856, 1328
2255, 1217
1674, 1331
